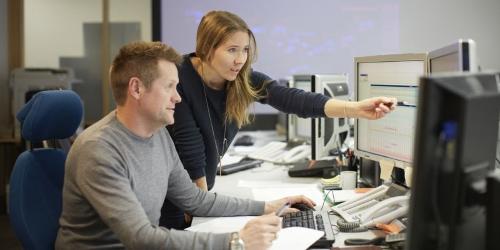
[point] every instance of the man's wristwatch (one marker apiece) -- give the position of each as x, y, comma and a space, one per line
236, 242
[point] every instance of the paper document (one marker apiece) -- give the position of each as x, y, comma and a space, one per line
244, 150
336, 196
230, 159
221, 224
295, 238
386, 168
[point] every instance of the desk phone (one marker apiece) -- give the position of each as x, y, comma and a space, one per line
380, 205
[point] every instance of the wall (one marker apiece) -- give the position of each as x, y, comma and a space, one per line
67, 33
5, 130
424, 25
428, 24
53, 28
133, 11
295, 37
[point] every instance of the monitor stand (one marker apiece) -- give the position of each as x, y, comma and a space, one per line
493, 211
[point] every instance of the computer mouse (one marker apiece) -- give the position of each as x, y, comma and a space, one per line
244, 140
301, 206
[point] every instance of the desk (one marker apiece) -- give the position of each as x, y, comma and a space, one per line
269, 173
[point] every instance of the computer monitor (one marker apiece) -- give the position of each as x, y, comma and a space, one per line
369, 173
498, 143
457, 126
329, 133
299, 129
458, 56
390, 138
266, 117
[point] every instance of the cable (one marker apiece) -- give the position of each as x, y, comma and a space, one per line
350, 227
443, 157
326, 197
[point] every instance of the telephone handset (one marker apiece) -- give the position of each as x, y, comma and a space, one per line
385, 211
297, 153
367, 211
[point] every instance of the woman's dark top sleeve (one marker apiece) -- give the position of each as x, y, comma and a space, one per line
289, 100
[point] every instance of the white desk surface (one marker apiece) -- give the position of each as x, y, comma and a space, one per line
271, 174
228, 185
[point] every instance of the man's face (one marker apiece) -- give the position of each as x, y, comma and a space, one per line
158, 102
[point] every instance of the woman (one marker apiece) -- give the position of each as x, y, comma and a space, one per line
217, 85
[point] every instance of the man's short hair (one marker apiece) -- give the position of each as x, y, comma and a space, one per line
138, 59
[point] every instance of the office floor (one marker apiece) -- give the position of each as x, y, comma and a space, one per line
7, 237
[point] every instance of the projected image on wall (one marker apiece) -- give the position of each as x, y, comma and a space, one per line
296, 37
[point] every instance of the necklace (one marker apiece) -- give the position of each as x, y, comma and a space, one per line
224, 141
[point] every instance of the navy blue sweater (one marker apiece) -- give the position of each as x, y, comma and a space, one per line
192, 132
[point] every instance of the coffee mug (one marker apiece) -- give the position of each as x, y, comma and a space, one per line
348, 179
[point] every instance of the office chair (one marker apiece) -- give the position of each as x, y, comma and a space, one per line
35, 196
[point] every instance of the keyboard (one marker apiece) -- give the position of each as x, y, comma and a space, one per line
314, 220
239, 166
271, 152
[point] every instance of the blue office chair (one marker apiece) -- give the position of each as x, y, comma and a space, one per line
35, 196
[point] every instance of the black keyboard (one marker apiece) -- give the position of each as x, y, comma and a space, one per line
314, 220
239, 166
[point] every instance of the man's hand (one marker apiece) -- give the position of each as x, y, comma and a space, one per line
273, 206
260, 232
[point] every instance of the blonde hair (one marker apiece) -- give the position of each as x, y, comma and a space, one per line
214, 29
138, 59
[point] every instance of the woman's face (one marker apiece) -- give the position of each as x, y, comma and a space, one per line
229, 57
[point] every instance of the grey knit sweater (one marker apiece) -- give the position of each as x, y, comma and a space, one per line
115, 184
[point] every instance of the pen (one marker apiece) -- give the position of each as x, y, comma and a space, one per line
280, 211
399, 103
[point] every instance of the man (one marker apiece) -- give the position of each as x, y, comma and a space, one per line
120, 170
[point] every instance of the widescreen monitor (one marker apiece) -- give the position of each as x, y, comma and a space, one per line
455, 57
457, 126
390, 138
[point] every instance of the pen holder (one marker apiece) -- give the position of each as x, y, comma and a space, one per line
352, 163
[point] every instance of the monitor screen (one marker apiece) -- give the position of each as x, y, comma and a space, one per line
457, 126
459, 56
390, 138
299, 129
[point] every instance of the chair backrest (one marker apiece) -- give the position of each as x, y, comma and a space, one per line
35, 195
